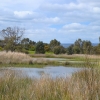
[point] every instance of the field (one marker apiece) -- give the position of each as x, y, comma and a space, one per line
82, 85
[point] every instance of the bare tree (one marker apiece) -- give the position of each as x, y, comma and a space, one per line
11, 37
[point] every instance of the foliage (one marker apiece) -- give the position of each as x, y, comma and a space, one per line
11, 37
40, 47
12, 41
70, 50
1, 48
87, 47
97, 49
54, 43
28, 44
59, 50
47, 48
80, 47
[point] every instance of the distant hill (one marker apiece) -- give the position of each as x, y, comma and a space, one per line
94, 44
65, 45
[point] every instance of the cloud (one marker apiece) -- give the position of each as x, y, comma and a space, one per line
96, 9
65, 20
22, 14
63, 7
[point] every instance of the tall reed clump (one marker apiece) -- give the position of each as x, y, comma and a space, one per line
12, 87
45, 88
14, 57
22, 58
85, 84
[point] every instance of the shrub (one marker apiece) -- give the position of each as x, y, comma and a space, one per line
1, 48
40, 47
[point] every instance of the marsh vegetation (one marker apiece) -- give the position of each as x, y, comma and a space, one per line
83, 85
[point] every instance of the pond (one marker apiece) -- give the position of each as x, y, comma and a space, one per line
53, 71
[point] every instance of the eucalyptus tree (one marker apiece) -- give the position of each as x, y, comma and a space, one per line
12, 37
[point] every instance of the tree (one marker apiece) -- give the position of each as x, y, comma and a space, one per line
97, 49
11, 37
87, 47
28, 44
59, 50
70, 50
78, 46
40, 47
25, 43
54, 43
47, 48
76, 49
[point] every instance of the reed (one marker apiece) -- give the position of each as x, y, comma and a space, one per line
45, 88
13, 58
82, 85
85, 85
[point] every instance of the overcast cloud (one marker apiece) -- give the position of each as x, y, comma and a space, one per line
44, 20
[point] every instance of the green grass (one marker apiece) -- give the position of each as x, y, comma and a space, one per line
49, 53
31, 52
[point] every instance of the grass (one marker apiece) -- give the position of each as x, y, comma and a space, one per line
82, 85
31, 52
13, 57
16, 59
21, 59
85, 85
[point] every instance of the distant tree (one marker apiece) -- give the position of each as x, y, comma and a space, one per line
54, 43
97, 49
70, 50
25, 43
28, 44
47, 48
59, 50
76, 49
87, 47
78, 46
40, 47
11, 37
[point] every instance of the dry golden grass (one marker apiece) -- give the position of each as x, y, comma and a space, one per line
83, 85
45, 88
21, 58
14, 57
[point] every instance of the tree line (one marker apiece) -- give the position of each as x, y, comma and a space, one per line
12, 40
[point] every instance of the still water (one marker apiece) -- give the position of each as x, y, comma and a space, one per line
52, 71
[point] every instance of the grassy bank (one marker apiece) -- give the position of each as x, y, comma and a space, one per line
16, 59
11, 59
83, 85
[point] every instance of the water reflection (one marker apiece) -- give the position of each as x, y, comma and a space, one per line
52, 71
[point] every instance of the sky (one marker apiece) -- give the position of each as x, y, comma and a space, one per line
45, 20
